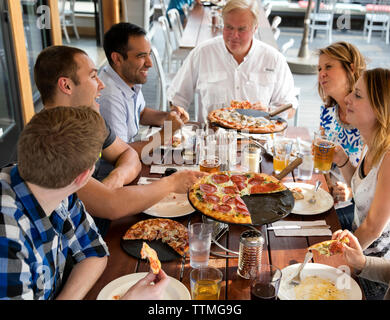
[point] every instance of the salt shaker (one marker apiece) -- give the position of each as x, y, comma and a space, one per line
251, 247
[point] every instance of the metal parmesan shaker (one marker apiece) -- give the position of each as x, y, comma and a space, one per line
251, 247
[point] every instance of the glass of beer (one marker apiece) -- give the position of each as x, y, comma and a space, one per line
205, 283
210, 165
281, 152
209, 160
323, 152
265, 285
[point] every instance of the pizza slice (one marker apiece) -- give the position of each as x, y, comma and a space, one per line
151, 254
264, 183
297, 193
329, 247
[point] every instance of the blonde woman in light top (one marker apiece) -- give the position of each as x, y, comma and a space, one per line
368, 109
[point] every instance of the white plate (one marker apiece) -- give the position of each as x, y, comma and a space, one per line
172, 206
342, 280
175, 290
324, 199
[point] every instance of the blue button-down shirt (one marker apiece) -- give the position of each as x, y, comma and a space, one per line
34, 246
120, 105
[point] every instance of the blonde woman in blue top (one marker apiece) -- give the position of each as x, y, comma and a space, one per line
339, 67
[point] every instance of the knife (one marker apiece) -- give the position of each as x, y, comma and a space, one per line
293, 227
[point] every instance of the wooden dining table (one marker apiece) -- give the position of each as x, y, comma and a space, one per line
280, 251
198, 28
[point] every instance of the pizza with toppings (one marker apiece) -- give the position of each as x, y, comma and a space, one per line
169, 231
229, 118
218, 195
329, 247
151, 254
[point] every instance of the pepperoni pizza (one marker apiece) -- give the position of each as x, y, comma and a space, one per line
218, 195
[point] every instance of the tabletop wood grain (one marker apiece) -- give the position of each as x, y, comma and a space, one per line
279, 251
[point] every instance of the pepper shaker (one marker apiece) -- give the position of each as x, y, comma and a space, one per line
251, 247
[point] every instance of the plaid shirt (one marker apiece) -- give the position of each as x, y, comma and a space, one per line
34, 246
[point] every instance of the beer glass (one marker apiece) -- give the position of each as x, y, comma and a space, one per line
323, 152
281, 152
208, 155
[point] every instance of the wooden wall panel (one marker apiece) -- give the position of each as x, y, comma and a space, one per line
111, 13
55, 30
21, 60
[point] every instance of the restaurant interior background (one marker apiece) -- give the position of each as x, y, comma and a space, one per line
28, 26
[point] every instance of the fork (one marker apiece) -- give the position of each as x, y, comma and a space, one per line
296, 280
313, 200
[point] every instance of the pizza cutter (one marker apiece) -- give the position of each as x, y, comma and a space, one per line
259, 113
291, 166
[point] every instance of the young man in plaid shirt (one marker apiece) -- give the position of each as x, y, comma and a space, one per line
41, 219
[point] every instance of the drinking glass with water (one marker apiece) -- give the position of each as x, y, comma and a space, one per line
199, 235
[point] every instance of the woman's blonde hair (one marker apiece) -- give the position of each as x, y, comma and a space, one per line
377, 82
352, 61
251, 5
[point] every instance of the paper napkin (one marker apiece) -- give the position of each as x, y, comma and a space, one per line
301, 232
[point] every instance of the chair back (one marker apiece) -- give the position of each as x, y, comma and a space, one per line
177, 28
378, 7
164, 24
287, 45
61, 7
327, 6
163, 7
276, 22
161, 77
186, 9
267, 9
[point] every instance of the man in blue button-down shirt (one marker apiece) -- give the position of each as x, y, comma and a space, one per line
122, 104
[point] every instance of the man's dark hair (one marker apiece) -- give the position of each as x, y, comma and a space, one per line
51, 64
116, 39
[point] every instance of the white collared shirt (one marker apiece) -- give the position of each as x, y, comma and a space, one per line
120, 105
212, 72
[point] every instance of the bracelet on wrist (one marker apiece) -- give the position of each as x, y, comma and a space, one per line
343, 163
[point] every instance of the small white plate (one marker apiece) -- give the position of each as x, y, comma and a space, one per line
341, 279
172, 206
324, 199
175, 290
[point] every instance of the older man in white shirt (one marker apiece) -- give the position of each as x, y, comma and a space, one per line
235, 66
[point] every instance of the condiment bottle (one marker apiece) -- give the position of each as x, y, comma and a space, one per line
251, 247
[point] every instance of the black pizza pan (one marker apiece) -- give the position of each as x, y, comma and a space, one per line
165, 252
264, 208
